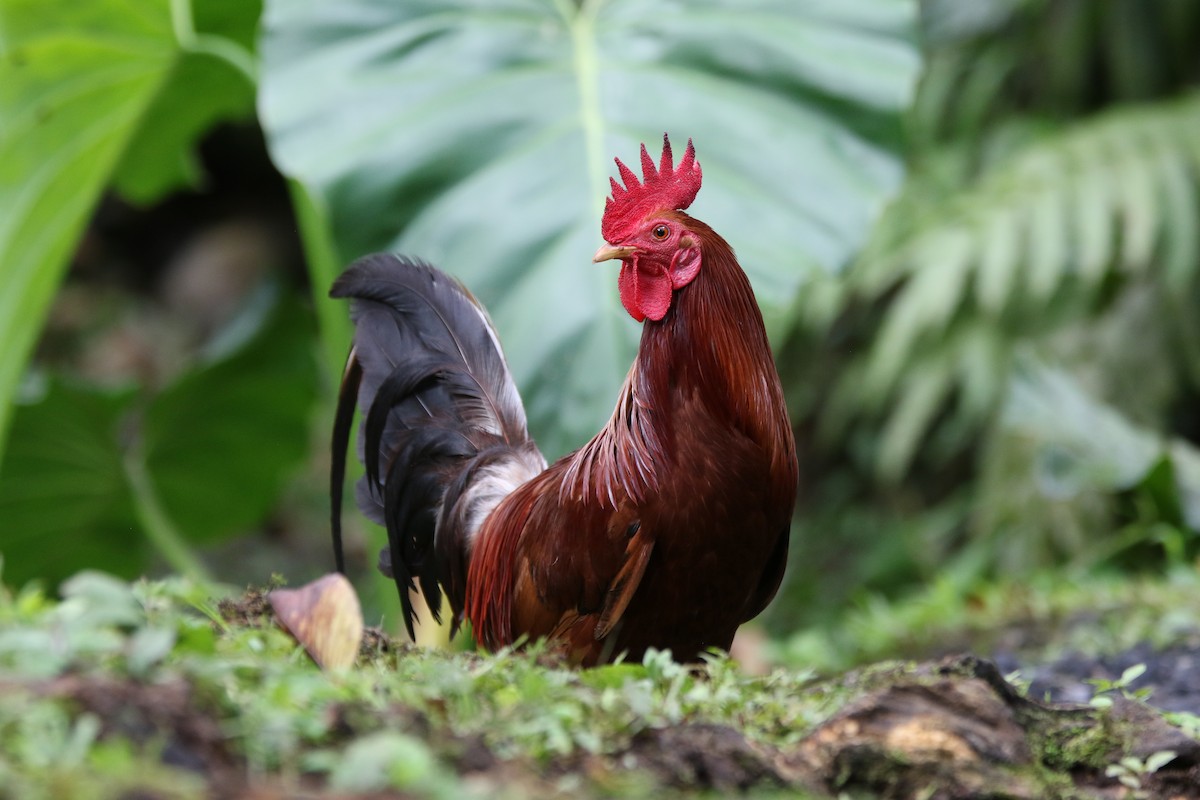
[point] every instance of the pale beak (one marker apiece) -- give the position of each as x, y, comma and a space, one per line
608, 252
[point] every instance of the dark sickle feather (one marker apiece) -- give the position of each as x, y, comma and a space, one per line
342, 423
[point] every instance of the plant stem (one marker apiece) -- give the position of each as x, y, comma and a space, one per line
157, 524
227, 50
581, 23
324, 265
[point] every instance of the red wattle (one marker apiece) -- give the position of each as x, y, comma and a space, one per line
645, 290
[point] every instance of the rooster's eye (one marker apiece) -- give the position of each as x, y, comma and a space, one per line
660, 232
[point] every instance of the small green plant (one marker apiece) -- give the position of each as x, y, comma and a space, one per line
1187, 722
1132, 771
1105, 687
1019, 682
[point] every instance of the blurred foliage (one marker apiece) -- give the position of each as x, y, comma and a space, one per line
482, 140
116, 95
112, 477
89, 94
1046, 237
1039, 618
1006, 380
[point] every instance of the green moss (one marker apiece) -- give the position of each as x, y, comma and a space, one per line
1071, 746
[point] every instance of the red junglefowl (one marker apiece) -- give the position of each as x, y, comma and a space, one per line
669, 529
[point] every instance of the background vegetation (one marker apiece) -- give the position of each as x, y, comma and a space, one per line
973, 228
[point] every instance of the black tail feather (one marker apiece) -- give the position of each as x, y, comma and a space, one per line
343, 421
418, 473
414, 379
435, 391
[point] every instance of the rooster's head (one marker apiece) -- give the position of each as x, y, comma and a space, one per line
643, 228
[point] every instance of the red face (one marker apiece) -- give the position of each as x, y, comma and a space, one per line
658, 256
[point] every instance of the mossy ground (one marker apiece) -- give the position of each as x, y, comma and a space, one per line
156, 689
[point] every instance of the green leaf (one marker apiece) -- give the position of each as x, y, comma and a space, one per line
1185, 460
77, 81
74, 80
385, 760
148, 646
213, 81
1131, 674
997, 274
924, 391
220, 442
233, 21
1181, 246
1158, 760
324, 265
64, 500
1094, 234
203, 90
1085, 444
1048, 253
481, 139
104, 600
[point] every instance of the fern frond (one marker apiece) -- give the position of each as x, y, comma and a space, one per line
1029, 247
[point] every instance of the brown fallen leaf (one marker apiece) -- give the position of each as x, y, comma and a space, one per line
325, 617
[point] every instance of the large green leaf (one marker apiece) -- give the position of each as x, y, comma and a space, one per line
72, 87
160, 158
77, 81
480, 136
212, 80
65, 503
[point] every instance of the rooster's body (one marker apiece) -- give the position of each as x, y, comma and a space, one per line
668, 529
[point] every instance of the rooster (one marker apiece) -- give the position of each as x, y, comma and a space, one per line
669, 529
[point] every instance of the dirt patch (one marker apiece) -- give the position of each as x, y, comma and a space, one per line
1172, 674
950, 730
376, 643
703, 757
164, 716
963, 732
957, 734
253, 608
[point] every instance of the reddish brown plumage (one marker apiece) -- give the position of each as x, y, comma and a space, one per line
668, 529
699, 452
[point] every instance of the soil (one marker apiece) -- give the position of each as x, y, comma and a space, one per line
1172, 675
168, 713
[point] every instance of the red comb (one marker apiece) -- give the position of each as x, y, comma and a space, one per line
667, 187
